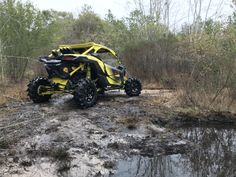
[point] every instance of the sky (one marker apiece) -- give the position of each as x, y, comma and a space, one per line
118, 7
220, 9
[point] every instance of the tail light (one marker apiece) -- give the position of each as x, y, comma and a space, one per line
67, 58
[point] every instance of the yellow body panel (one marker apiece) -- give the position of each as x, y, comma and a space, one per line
112, 78
60, 81
62, 84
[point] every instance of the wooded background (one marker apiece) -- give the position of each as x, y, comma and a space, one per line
199, 59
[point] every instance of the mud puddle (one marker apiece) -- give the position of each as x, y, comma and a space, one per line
214, 155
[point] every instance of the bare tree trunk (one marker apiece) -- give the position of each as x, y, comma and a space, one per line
1, 60
167, 13
2, 72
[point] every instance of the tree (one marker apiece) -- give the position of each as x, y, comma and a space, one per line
115, 32
24, 30
60, 25
89, 26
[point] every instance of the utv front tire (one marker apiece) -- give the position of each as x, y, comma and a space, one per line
133, 87
33, 89
85, 94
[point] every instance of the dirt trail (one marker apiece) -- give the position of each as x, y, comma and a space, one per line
58, 139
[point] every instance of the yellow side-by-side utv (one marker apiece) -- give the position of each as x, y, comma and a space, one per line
83, 70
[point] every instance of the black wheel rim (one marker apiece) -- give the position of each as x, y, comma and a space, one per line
89, 96
135, 87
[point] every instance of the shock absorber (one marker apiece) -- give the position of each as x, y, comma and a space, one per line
88, 74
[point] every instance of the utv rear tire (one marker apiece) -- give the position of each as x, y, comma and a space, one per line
133, 87
85, 94
33, 90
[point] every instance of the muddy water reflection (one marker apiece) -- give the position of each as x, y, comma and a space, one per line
214, 156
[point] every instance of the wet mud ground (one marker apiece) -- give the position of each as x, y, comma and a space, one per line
58, 139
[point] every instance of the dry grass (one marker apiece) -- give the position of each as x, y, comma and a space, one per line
180, 101
152, 85
222, 103
11, 92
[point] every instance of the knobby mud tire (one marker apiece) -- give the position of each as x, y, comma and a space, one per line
85, 94
33, 90
133, 87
